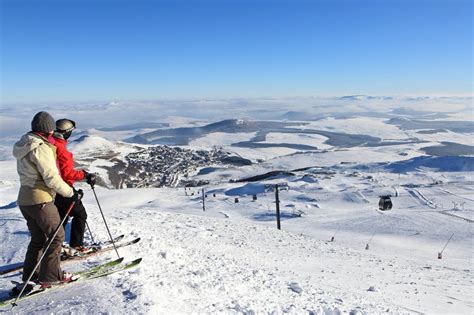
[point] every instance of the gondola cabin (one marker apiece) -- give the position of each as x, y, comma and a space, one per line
385, 203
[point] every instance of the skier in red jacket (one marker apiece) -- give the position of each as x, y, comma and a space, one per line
69, 174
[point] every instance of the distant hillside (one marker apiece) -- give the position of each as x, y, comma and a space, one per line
139, 125
454, 126
89, 143
182, 136
121, 165
449, 149
441, 164
301, 116
436, 163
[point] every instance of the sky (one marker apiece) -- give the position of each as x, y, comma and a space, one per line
140, 50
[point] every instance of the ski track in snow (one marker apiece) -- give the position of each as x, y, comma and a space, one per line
236, 274
207, 265
233, 265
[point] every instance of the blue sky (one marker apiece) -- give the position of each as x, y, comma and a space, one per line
104, 49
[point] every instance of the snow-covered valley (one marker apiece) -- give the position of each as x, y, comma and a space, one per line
336, 253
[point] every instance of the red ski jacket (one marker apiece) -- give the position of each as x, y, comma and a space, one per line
66, 163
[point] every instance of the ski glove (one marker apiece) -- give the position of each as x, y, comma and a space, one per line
78, 194
90, 178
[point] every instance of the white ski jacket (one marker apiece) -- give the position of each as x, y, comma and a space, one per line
39, 175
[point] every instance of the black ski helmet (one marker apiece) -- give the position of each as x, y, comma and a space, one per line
65, 127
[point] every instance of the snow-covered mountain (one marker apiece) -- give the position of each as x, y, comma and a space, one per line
336, 253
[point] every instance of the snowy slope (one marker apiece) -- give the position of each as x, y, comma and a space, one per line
231, 258
227, 260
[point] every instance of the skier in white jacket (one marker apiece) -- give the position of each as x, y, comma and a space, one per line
40, 181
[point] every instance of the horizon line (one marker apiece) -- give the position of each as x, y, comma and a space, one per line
191, 98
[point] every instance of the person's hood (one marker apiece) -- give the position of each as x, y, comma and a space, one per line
26, 144
58, 136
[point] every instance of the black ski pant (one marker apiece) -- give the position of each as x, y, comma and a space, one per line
79, 217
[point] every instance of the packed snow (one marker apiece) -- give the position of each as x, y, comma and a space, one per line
336, 252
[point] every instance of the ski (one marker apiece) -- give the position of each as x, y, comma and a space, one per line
99, 271
100, 267
108, 242
108, 271
96, 251
66, 259
84, 272
10, 268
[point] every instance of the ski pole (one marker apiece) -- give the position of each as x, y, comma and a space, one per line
103, 217
90, 232
50, 241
